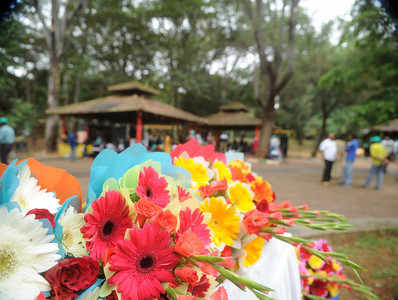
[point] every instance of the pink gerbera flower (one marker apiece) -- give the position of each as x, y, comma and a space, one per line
106, 224
152, 187
322, 245
194, 221
142, 262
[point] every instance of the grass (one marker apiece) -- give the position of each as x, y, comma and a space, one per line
377, 252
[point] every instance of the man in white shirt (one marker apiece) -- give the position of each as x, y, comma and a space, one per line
328, 147
388, 144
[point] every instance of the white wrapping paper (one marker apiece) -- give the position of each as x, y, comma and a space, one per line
277, 269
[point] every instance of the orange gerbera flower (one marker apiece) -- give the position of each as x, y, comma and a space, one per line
239, 170
262, 190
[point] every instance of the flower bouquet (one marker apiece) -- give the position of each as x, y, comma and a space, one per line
322, 275
316, 273
140, 234
243, 213
153, 226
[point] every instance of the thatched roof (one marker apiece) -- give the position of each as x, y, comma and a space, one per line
123, 108
235, 115
234, 106
230, 120
390, 126
133, 87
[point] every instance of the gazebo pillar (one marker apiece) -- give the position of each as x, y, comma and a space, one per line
138, 132
257, 133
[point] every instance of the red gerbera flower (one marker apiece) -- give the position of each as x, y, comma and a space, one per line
182, 194
106, 224
319, 288
194, 221
142, 262
152, 187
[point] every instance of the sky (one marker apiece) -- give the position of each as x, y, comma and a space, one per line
323, 11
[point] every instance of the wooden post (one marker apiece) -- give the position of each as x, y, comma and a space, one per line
139, 127
63, 127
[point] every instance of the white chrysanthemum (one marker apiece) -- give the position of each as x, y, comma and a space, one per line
25, 252
29, 194
72, 238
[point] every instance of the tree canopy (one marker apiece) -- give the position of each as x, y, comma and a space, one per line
266, 54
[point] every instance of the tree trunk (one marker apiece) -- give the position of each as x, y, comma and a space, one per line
265, 133
321, 136
299, 132
51, 132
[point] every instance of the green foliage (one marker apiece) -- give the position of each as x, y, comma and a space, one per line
22, 115
174, 48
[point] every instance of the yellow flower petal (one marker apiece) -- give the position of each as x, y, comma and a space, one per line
333, 289
253, 251
199, 172
221, 171
315, 262
240, 196
224, 222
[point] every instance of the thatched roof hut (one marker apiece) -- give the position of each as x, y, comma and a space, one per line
233, 116
129, 99
130, 102
391, 126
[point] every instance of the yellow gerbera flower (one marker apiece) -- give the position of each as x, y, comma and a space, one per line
333, 289
221, 171
224, 222
241, 196
315, 262
199, 172
310, 278
335, 265
253, 251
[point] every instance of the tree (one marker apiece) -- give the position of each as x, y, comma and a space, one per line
55, 35
276, 55
359, 90
314, 54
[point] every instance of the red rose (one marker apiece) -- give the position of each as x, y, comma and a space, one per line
263, 206
72, 275
112, 296
42, 213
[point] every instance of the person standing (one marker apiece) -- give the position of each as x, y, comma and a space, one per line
7, 139
275, 147
339, 162
379, 156
72, 143
224, 142
328, 148
284, 145
351, 151
396, 148
388, 144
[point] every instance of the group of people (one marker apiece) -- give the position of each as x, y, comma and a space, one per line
7, 139
381, 153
